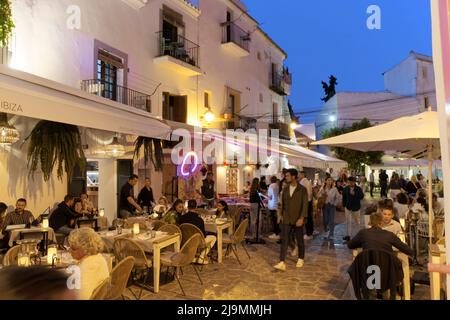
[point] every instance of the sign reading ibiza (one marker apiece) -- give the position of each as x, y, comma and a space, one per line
10, 106
214, 146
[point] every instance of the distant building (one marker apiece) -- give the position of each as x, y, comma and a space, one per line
409, 89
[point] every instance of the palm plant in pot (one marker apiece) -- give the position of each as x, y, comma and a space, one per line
53, 143
152, 150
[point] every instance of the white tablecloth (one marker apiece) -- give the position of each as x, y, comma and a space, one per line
144, 239
15, 234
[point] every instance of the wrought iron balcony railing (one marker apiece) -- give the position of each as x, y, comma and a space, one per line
231, 32
118, 93
281, 82
283, 129
181, 49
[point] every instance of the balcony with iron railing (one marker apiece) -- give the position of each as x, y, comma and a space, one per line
281, 82
235, 39
284, 130
181, 55
118, 93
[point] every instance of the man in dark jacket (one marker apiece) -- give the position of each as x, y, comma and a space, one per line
193, 218
292, 216
351, 200
62, 220
208, 191
383, 177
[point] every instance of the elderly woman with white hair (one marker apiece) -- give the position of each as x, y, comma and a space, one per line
86, 246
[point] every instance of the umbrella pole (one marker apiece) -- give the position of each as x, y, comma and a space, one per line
430, 193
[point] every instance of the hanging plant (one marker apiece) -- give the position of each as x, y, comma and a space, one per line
153, 151
6, 23
52, 143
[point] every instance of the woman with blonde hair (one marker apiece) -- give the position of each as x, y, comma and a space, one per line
86, 247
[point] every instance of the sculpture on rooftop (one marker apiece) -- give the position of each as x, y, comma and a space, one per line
330, 89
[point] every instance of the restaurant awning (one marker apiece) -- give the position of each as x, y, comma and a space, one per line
24, 94
303, 157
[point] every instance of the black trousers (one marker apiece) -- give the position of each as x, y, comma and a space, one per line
372, 186
310, 222
286, 230
276, 227
383, 186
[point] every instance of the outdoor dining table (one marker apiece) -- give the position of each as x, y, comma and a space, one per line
15, 234
65, 259
148, 244
437, 281
218, 227
405, 266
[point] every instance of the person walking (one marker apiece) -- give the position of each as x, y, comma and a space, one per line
331, 195
255, 205
372, 182
309, 222
294, 211
273, 195
383, 183
351, 200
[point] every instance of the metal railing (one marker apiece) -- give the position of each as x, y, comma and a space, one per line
283, 129
281, 82
231, 32
118, 93
181, 49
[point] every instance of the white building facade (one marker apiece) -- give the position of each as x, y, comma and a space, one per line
157, 59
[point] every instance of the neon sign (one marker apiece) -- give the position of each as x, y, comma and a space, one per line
194, 167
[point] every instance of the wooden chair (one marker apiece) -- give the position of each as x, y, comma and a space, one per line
237, 238
101, 291
170, 228
119, 278
183, 258
10, 258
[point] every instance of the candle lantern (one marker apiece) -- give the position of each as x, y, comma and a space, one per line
51, 254
136, 228
101, 212
45, 223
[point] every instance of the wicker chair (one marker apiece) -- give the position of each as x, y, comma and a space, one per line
158, 224
10, 258
101, 291
119, 278
123, 248
187, 231
183, 258
170, 228
237, 238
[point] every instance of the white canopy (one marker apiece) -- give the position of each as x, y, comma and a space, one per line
410, 135
307, 158
27, 95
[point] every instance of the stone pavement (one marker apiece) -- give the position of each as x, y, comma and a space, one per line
323, 277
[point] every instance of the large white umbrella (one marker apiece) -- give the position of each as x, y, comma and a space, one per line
416, 136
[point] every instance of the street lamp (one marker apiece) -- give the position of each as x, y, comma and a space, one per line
209, 116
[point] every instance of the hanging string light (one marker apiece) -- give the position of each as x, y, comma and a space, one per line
115, 149
8, 134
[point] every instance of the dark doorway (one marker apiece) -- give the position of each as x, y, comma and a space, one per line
124, 171
77, 185
174, 107
229, 30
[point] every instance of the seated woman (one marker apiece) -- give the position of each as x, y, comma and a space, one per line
222, 210
85, 246
78, 206
386, 208
88, 206
402, 205
174, 214
162, 206
376, 238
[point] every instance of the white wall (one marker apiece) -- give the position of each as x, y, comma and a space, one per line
401, 79
107, 188
15, 182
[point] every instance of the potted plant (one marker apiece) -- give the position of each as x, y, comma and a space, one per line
53, 143
6, 23
153, 151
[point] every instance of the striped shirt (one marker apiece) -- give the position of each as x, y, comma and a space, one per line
14, 217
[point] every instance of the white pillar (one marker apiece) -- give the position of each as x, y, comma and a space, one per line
107, 188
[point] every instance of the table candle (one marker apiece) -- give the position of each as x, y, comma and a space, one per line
101, 212
45, 223
51, 253
136, 228
23, 261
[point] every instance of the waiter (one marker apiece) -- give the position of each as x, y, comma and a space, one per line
208, 191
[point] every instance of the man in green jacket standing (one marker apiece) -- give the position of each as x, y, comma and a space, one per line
292, 216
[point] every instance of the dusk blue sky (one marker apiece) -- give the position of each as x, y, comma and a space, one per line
324, 37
